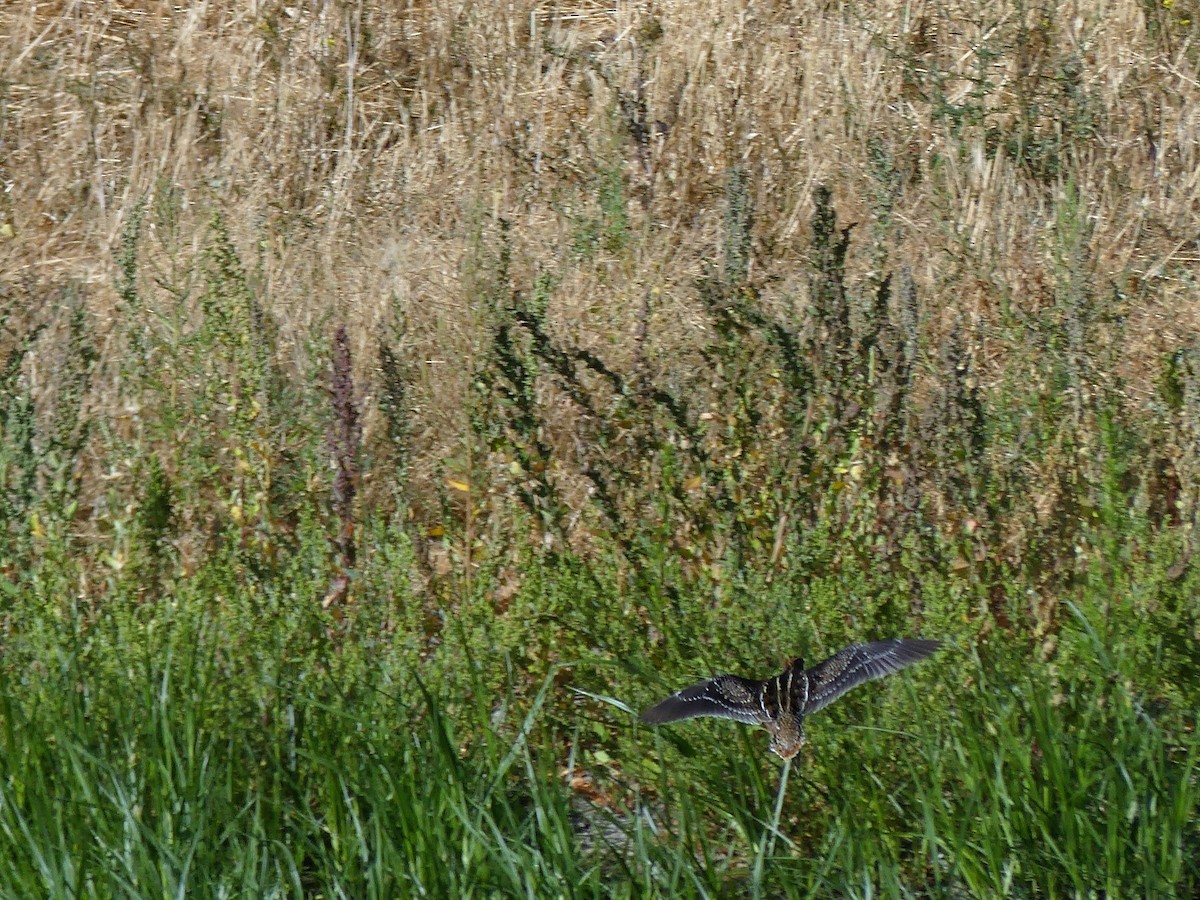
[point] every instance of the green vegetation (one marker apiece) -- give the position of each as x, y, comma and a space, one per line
316, 581
222, 729
225, 744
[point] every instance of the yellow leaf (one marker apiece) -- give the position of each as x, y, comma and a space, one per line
459, 485
692, 483
436, 531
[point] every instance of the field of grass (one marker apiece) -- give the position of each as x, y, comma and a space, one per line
396, 398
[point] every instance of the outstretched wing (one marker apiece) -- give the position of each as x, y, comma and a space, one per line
726, 696
859, 663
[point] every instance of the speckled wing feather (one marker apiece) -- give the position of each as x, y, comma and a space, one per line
860, 663
726, 696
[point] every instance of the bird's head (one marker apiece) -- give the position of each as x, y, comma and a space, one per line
787, 735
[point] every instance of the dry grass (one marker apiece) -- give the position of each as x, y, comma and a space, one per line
364, 153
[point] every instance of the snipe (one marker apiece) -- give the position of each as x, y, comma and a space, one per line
780, 703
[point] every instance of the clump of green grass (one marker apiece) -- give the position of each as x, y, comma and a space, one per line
167, 749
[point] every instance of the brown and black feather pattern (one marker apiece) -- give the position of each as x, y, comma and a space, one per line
780, 703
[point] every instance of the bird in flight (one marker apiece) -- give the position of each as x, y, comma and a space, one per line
781, 702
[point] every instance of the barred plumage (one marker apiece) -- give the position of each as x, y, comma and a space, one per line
780, 703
